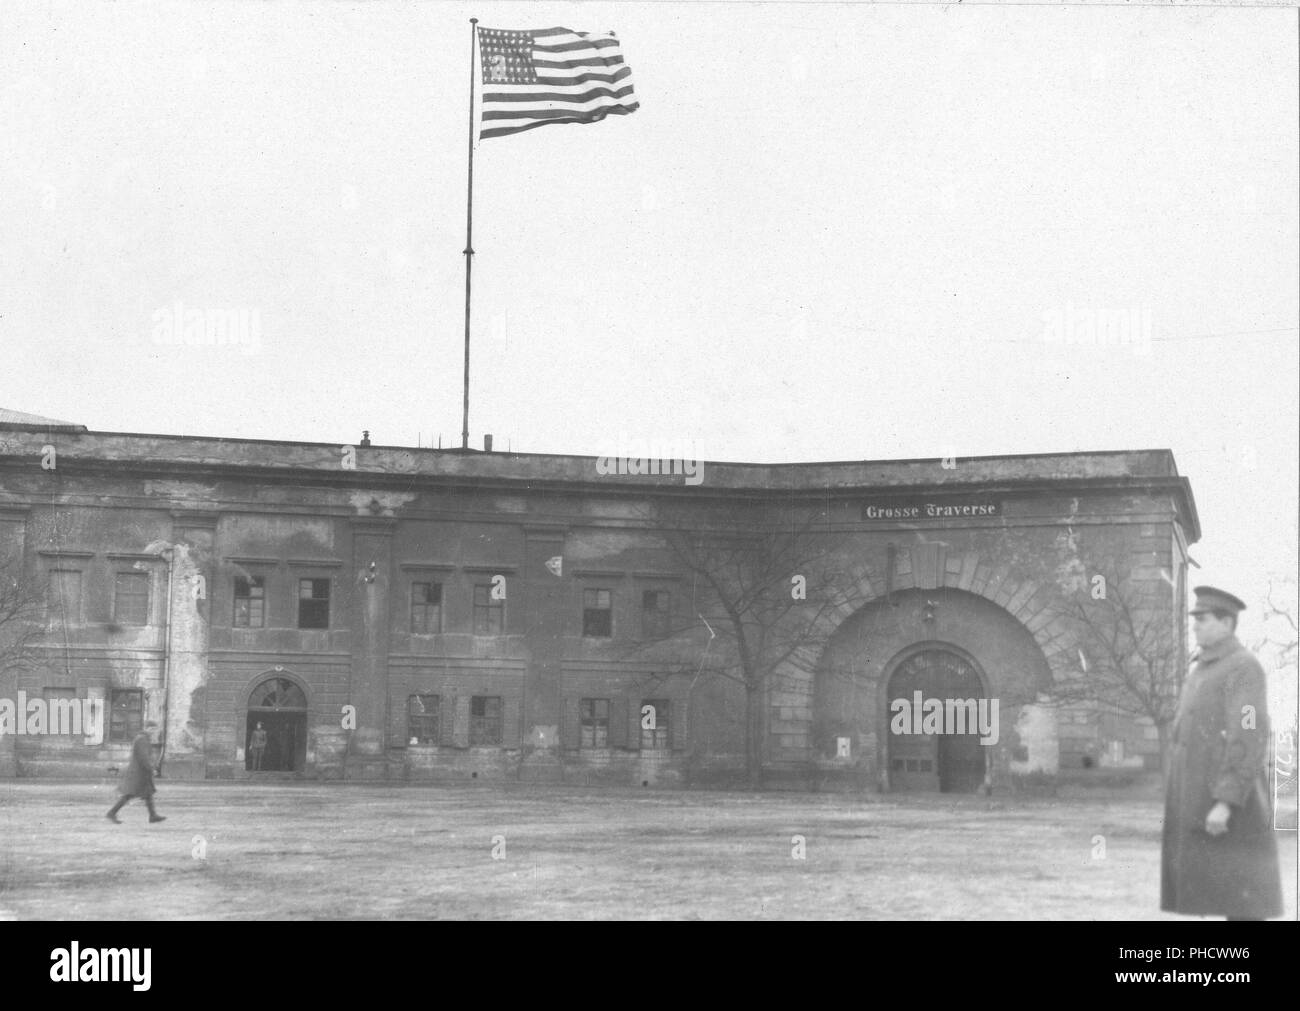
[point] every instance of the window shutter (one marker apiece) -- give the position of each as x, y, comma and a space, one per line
446, 720
460, 735
97, 695
634, 722
677, 729
618, 723
510, 721
397, 724
570, 731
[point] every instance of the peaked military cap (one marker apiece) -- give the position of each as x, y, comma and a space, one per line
1209, 598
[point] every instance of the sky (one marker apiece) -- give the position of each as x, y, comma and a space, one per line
831, 232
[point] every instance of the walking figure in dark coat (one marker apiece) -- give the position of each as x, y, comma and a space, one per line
1219, 856
137, 777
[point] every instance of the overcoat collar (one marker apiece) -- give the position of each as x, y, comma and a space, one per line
1208, 654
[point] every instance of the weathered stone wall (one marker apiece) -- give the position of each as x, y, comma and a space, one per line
205, 512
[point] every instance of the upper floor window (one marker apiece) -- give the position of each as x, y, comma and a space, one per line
426, 607
489, 614
250, 602
655, 613
131, 598
597, 614
313, 603
64, 600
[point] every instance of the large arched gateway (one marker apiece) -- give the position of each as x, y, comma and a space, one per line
915, 646
279, 705
951, 760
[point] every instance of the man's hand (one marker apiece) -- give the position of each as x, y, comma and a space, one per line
1216, 822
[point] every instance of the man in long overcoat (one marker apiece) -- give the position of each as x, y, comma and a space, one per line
1219, 855
137, 777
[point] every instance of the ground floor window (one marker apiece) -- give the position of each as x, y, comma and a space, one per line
422, 718
485, 720
594, 717
126, 714
655, 716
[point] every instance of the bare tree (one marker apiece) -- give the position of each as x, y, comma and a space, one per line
1127, 658
764, 600
22, 607
1280, 630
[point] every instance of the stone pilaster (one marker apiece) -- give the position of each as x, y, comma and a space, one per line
366, 588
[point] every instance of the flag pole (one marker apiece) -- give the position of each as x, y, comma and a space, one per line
469, 227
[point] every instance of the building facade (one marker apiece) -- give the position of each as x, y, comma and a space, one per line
385, 613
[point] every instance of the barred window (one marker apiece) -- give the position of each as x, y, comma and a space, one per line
131, 598
485, 720
489, 614
61, 718
594, 717
126, 714
250, 602
313, 603
655, 613
422, 718
426, 607
655, 736
597, 614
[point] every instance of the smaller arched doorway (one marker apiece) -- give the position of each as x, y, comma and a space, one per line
947, 762
279, 706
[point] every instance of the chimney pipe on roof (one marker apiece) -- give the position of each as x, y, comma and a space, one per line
487, 443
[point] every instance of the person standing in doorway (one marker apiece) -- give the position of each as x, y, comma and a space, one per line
1218, 853
257, 747
137, 777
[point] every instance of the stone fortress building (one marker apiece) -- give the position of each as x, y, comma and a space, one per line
388, 613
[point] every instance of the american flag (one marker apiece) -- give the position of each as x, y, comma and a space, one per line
552, 75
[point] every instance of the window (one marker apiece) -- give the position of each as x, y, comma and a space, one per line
126, 715
489, 614
426, 607
597, 614
654, 737
250, 602
64, 599
422, 718
594, 716
655, 613
313, 603
485, 719
62, 716
131, 598
277, 693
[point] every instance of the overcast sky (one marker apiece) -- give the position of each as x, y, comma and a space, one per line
831, 232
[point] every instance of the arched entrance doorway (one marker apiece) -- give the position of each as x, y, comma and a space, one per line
279, 705
947, 762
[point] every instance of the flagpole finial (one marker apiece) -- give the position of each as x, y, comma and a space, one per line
473, 21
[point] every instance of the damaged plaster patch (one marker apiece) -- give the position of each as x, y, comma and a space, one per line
1036, 730
187, 668
379, 503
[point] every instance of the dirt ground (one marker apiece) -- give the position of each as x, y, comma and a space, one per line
335, 851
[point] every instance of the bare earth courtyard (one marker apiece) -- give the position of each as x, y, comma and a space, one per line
289, 851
